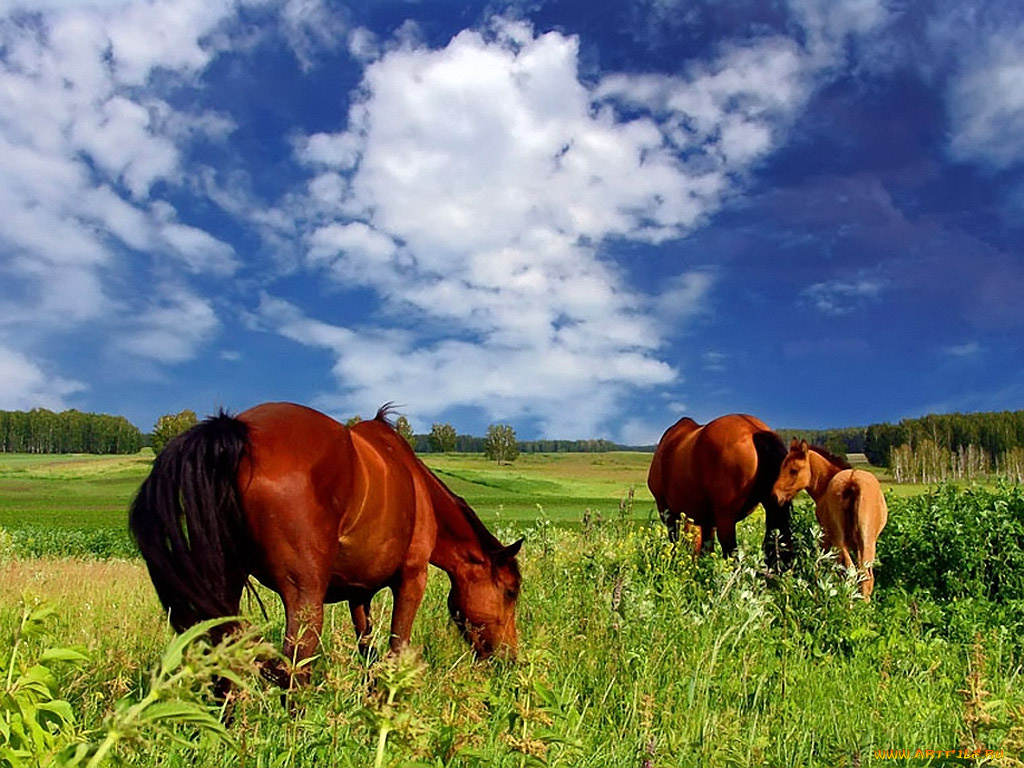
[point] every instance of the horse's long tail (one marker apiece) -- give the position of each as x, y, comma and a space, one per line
188, 521
849, 501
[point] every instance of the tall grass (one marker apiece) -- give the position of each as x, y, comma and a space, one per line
631, 655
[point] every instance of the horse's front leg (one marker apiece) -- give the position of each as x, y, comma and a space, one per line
408, 594
778, 535
726, 534
671, 521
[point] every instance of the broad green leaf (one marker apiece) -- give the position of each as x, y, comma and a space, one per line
60, 708
71, 655
175, 650
181, 712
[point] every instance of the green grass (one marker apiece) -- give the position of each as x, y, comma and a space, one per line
77, 504
69, 491
89, 492
630, 654
562, 485
86, 492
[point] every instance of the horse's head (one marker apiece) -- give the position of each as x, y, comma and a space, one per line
795, 472
482, 601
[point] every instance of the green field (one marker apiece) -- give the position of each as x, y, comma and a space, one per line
95, 491
630, 653
558, 486
70, 491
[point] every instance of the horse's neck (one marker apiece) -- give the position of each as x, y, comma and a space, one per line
822, 472
457, 537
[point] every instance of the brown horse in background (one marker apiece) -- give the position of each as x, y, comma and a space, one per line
713, 476
849, 504
318, 513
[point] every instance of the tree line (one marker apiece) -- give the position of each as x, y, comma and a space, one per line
993, 434
937, 445
472, 444
44, 431
837, 441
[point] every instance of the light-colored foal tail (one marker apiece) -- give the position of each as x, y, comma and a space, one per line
849, 502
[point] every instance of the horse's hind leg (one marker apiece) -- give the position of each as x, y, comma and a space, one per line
727, 534
360, 611
304, 620
222, 685
867, 562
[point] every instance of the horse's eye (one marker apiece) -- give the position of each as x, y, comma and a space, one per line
792, 471
511, 594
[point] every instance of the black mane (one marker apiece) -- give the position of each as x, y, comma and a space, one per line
831, 457
491, 544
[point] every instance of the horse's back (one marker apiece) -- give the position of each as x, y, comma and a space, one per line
729, 440
728, 458
298, 460
295, 479
670, 475
324, 499
697, 470
286, 438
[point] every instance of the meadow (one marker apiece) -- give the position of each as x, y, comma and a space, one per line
630, 654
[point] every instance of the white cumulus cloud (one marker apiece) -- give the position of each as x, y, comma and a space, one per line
25, 385
473, 186
85, 138
986, 101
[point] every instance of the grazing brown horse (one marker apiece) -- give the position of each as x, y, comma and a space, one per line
318, 513
849, 504
713, 476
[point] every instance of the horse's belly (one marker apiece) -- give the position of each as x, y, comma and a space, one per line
369, 562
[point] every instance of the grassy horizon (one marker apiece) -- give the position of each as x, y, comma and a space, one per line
87, 491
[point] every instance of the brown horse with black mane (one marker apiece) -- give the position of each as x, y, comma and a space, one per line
318, 513
713, 476
849, 504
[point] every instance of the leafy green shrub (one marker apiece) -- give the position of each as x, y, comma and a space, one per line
956, 544
35, 722
38, 726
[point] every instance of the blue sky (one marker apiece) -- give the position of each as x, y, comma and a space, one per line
584, 219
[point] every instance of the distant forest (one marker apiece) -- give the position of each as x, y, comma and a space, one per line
43, 431
470, 444
991, 436
949, 445
994, 433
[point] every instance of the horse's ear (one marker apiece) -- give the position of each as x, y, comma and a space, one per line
506, 554
794, 445
804, 447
